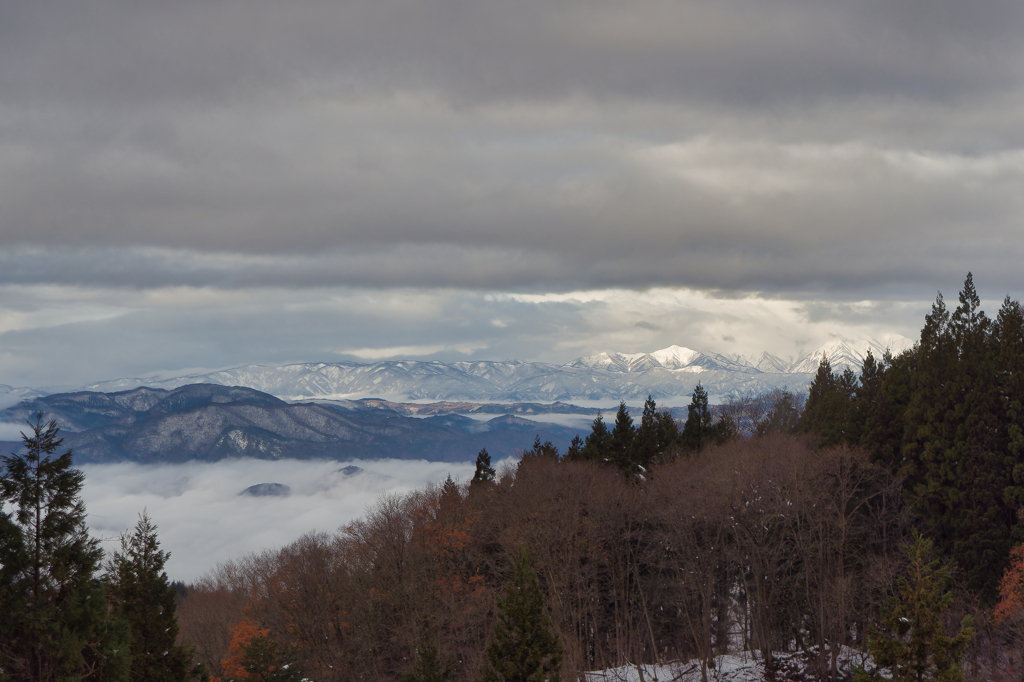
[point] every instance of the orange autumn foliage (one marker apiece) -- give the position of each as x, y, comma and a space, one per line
1011, 589
244, 632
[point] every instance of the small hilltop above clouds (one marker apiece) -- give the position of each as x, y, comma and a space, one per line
668, 374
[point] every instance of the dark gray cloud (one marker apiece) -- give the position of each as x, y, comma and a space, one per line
790, 146
736, 50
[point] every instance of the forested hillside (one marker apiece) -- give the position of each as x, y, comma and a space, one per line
881, 515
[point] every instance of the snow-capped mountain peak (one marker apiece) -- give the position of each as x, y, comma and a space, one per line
667, 374
675, 357
772, 363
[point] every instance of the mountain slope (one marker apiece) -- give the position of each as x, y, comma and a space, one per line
209, 423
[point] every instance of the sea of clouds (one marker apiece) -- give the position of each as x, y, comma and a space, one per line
202, 519
12, 432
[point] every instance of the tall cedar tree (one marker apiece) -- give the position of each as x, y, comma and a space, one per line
545, 449
142, 594
698, 430
597, 447
575, 451
914, 645
621, 445
484, 473
646, 445
668, 433
873, 412
1009, 332
525, 647
55, 624
883, 431
867, 397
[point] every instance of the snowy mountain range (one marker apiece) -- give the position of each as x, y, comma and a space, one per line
668, 374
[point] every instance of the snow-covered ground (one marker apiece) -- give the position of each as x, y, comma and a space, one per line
742, 667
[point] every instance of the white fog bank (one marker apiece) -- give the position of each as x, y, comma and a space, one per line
202, 519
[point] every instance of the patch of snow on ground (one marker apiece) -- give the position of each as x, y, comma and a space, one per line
729, 668
742, 667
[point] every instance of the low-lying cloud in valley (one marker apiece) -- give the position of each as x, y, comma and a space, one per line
204, 520
12, 432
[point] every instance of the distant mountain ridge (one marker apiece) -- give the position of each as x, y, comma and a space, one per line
842, 354
305, 410
208, 422
667, 374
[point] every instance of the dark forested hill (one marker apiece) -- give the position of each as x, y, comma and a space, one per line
210, 422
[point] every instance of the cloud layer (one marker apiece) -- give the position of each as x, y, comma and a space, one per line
159, 158
202, 519
545, 145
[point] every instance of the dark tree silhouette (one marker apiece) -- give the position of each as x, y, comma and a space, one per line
54, 622
142, 594
484, 471
525, 647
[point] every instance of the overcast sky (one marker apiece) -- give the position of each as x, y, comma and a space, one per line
190, 184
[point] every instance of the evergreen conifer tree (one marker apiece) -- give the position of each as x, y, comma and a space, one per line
623, 434
646, 445
883, 432
142, 594
927, 403
957, 439
484, 473
1009, 331
870, 410
575, 450
54, 622
545, 449
598, 444
525, 647
829, 405
697, 430
914, 645
668, 433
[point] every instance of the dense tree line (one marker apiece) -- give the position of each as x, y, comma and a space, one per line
947, 417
